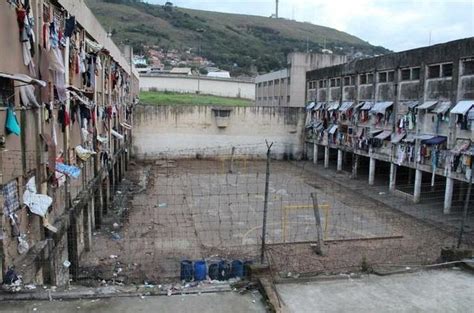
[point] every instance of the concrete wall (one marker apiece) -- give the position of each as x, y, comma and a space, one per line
272, 89
287, 87
205, 85
186, 131
300, 63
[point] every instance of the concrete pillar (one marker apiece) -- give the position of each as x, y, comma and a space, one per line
107, 194
87, 227
448, 195
326, 157
113, 182
99, 205
393, 176
127, 159
315, 153
339, 160
417, 192
124, 164
118, 168
462, 192
92, 210
355, 165
372, 171
73, 251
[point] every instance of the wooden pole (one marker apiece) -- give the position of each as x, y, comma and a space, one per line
231, 166
265, 203
317, 216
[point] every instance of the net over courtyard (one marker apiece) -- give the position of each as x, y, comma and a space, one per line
212, 209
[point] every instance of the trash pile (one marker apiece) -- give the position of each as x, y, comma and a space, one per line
12, 282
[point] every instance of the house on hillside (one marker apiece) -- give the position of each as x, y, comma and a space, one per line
185, 71
140, 61
219, 74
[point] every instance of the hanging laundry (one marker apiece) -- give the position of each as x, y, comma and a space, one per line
60, 84
91, 71
98, 64
117, 134
69, 170
82, 61
27, 37
15, 225
13, 3
109, 110
53, 35
37, 203
74, 113
55, 58
23, 245
85, 135
70, 26
83, 153
60, 178
85, 112
11, 123
27, 96
102, 139
63, 117
11, 202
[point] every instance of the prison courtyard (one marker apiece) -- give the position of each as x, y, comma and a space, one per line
345, 186
213, 209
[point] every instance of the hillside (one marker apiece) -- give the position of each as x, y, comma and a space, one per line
250, 42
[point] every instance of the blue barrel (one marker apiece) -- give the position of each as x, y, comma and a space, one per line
224, 270
237, 269
246, 267
186, 270
200, 270
214, 271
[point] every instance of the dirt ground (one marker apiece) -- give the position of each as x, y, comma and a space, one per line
169, 210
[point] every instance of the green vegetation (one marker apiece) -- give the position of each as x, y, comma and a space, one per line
241, 44
171, 98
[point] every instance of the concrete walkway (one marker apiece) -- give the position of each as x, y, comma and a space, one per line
433, 291
218, 302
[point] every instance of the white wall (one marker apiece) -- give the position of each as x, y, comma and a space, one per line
206, 85
186, 131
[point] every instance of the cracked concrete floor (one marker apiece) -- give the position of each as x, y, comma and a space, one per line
432, 291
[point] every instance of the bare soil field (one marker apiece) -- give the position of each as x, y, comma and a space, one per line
172, 210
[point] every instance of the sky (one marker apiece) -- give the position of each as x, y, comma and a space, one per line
395, 24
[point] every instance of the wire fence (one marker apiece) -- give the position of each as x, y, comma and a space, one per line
212, 209
169, 210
